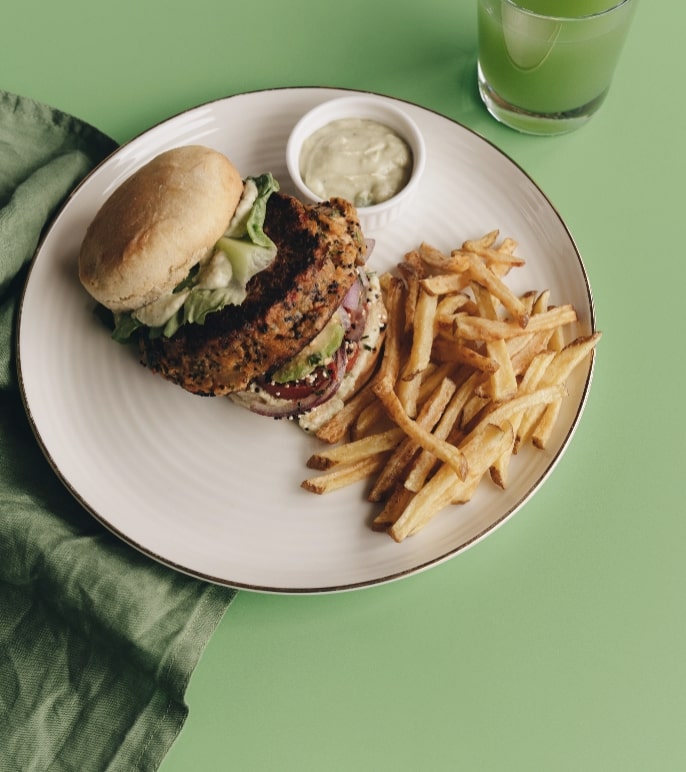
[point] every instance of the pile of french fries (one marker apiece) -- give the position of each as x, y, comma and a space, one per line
470, 373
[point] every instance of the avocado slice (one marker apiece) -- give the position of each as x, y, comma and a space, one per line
313, 355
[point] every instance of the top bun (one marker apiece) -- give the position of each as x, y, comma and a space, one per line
157, 225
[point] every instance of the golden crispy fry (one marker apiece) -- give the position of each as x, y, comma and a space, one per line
440, 262
482, 275
499, 260
371, 419
470, 371
530, 380
557, 372
390, 360
344, 474
556, 340
429, 415
568, 358
339, 425
410, 273
461, 353
357, 449
478, 400
414, 259
445, 487
524, 401
433, 377
444, 284
483, 242
374, 415
450, 304
541, 302
476, 328
420, 352
426, 460
502, 382
525, 348
394, 506
544, 427
443, 450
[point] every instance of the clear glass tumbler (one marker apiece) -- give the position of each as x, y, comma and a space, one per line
545, 66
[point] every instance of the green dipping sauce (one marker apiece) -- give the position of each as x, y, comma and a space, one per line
358, 159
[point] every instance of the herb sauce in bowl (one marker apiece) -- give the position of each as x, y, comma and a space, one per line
359, 159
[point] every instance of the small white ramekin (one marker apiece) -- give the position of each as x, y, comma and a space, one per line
365, 106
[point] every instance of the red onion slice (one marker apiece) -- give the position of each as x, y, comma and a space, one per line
285, 408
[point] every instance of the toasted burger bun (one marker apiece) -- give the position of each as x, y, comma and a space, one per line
141, 244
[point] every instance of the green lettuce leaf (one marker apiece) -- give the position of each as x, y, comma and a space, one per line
248, 221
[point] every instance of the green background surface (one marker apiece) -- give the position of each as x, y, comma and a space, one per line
558, 643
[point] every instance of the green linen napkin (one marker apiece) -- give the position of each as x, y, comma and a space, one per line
97, 642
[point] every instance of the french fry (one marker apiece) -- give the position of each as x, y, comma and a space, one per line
426, 460
504, 411
420, 351
339, 425
342, 475
444, 284
481, 274
476, 328
460, 353
390, 359
356, 450
445, 487
569, 357
502, 382
429, 415
470, 372
434, 376
530, 380
483, 242
414, 259
411, 276
423, 335
440, 262
393, 508
557, 372
443, 450
499, 260
372, 419
525, 348
544, 427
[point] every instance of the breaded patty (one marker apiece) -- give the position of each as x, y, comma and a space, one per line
288, 304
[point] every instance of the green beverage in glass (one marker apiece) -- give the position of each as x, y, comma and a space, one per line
545, 66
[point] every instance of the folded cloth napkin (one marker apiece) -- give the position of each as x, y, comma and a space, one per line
97, 642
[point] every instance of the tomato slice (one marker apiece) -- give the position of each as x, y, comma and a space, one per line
297, 391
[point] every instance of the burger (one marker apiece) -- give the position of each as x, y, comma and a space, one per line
230, 287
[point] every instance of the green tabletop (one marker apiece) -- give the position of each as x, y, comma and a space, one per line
559, 642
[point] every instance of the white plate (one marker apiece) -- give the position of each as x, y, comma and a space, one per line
209, 488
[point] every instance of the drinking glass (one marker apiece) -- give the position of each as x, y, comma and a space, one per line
545, 66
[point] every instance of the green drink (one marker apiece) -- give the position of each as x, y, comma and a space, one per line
546, 66
568, 9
